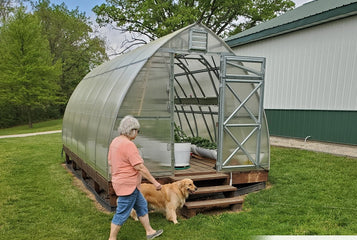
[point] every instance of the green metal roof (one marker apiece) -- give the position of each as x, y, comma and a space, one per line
310, 14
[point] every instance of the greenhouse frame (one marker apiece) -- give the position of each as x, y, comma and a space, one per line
189, 79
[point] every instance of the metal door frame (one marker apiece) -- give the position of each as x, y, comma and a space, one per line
256, 78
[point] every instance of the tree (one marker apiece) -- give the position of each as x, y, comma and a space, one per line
71, 42
6, 8
155, 18
28, 74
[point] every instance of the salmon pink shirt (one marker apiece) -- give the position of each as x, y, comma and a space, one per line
122, 157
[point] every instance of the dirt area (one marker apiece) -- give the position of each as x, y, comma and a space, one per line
80, 185
332, 148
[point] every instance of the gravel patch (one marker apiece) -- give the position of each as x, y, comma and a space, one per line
332, 148
30, 134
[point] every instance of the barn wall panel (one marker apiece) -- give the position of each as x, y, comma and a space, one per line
315, 68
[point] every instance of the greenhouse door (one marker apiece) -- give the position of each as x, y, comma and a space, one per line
240, 112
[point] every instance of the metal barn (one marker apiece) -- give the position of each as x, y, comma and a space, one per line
190, 79
311, 85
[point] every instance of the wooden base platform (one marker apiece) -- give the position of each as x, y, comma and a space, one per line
215, 189
199, 165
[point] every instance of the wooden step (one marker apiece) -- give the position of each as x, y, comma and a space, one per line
215, 189
221, 202
202, 177
190, 209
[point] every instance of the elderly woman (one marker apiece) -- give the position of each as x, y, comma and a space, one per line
127, 168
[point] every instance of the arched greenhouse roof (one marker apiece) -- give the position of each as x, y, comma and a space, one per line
137, 83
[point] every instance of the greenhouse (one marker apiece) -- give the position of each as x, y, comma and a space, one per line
189, 80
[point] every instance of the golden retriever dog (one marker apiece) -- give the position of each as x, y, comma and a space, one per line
169, 199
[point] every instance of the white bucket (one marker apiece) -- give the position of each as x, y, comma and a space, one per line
182, 154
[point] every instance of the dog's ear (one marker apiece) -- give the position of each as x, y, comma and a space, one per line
181, 183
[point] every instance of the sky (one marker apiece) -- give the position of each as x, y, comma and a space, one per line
83, 5
112, 37
87, 5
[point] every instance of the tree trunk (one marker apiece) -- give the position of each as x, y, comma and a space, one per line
29, 116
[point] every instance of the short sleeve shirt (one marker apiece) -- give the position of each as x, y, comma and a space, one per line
122, 157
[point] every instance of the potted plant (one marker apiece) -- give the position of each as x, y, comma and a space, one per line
198, 145
182, 148
204, 147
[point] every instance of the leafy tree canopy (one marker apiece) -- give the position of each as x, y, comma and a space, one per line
6, 8
28, 74
71, 42
45, 52
156, 18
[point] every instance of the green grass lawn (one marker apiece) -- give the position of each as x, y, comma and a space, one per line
37, 127
309, 194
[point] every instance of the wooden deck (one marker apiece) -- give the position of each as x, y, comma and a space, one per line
198, 165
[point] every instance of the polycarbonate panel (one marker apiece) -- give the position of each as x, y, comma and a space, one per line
109, 114
244, 135
138, 84
242, 91
94, 120
92, 110
154, 144
148, 95
214, 43
250, 145
148, 101
265, 145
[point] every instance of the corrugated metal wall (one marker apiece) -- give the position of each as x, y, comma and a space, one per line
311, 81
323, 125
315, 68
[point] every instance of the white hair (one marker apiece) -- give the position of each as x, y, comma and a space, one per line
127, 125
